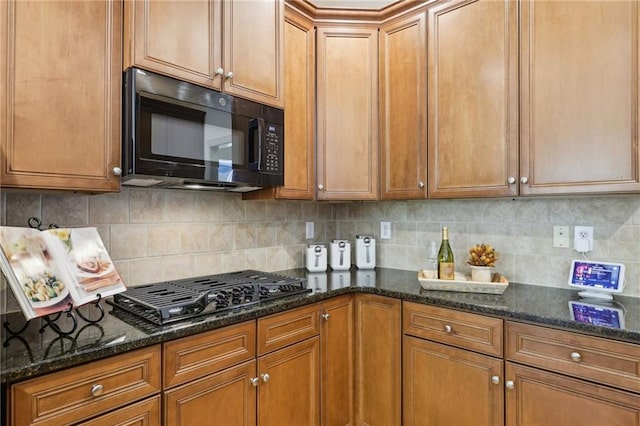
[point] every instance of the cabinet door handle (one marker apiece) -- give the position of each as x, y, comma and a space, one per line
117, 171
524, 179
420, 185
321, 187
509, 384
219, 71
576, 357
265, 377
495, 380
511, 180
448, 329
97, 390
254, 381
326, 316
229, 75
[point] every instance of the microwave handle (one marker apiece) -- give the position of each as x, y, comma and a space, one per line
255, 149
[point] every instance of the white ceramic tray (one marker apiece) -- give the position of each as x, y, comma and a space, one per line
462, 283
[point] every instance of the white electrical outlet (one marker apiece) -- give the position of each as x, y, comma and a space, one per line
310, 230
561, 236
385, 230
583, 238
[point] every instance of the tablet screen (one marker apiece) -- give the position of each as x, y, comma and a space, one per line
598, 276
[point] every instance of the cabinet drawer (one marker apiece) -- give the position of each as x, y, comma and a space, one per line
592, 358
465, 330
143, 413
280, 330
68, 396
196, 356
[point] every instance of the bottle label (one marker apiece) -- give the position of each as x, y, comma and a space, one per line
446, 271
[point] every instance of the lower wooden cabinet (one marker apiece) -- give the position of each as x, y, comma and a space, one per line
288, 393
539, 398
143, 413
452, 367
450, 386
82, 392
378, 360
337, 366
225, 398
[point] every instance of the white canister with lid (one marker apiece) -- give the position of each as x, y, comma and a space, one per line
316, 257
340, 255
365, 252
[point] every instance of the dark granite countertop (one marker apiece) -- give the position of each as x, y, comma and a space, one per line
32, 353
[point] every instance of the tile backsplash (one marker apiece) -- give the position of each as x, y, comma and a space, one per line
157, 235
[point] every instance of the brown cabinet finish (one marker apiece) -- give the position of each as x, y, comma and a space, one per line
337, 364
579, 97
299, 115
185, 40
180, 39
450, 386
85, 391
60, 94
289, 385
473, 99
347, 112
197, 356
225, 398
143, 413
279, 330
403, 107
462, 329
542, 398
378, 360
603, 361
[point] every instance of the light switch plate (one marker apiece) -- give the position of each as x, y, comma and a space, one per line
310, 231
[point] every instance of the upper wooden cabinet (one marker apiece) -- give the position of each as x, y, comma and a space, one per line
347, 112
299, 116
579, 96
403, 107
232, 45
472, 77
60, 94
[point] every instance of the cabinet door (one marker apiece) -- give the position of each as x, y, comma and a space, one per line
144, 413
378, 360
299, 115
60, 94
226, 398
347, 130
403, 108
182, 39
535, 397
337, 362
253, 54
473, 121
579, 95
289, 385
449, 386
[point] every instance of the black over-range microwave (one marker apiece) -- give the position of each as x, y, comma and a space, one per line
181, 135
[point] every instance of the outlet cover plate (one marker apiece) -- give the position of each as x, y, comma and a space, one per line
583, 238
385, 230
561, 236
310, 231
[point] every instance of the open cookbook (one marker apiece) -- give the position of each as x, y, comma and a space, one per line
52, 269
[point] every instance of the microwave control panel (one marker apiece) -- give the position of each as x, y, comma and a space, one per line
272, 150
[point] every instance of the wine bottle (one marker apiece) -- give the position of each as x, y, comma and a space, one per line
446, 269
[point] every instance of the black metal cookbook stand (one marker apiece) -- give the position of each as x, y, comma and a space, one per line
51, 320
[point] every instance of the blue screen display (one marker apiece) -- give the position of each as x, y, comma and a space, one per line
598, 276
600, 316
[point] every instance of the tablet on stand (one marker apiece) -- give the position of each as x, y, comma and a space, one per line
597, 280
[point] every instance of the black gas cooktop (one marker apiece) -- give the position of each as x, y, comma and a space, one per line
170, 301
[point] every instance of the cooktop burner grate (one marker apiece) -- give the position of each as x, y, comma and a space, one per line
169, 301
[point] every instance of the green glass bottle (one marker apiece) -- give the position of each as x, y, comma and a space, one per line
446, 268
